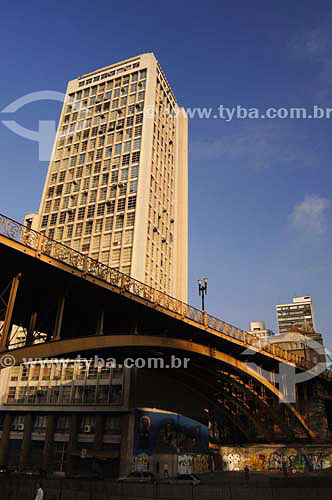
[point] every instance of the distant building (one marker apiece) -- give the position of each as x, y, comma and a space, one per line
259, 329
299, 313
32, 221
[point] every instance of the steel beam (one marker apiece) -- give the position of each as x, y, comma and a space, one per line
32, 328
100, 323
59, 318
4, 341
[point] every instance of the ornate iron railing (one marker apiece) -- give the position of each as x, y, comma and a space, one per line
37, 241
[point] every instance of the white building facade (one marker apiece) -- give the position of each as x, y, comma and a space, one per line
117, 184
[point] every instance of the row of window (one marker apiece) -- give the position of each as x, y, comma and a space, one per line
91, 143
103, 151
92, 227
90, 211
102, 102
120, 189
116, 82
111, 423
68, 394
122, 122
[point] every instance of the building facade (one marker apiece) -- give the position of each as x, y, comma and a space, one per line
65, 417
299, 313
117, 183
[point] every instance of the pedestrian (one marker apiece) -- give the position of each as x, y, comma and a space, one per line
285, 468
39, 492
246, 473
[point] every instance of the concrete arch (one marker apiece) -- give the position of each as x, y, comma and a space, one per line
80, 344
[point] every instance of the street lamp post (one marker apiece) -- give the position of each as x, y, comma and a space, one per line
202, 290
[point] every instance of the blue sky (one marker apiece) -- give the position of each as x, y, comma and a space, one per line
260, 200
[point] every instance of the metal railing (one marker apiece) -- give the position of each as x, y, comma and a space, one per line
58, 251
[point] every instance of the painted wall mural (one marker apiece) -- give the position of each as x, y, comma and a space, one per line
166, 433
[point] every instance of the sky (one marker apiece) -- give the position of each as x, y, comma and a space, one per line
260, 200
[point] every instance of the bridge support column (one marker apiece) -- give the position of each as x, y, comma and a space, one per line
24, 457
315, 410
72, 444
127, 435
59, 318
4, 443
4, 341
48, 446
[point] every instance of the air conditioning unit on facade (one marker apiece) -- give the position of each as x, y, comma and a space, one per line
87, 428
20, 427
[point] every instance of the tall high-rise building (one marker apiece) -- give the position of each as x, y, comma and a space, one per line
299, 313
117, 183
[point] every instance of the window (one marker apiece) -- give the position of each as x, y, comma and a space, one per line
134, 171
70, 231
116, 257
130, 121
137, 144
103, 193
79, 229
91, 211
127, 254
40, 423
99, 225
119, 222
123, 189
131, 202
121, 204
133, 186
113, 192
130, 219
126, 159
11, 394
101, 209
112, 424
115, 176
62, 424
93, 195
44, 221
138, 131
71, 216
108, 223
88, 227
110, 205
135, 157
128, 237
81, 212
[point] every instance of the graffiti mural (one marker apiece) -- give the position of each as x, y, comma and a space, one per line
232, 462
257, 462
294, 460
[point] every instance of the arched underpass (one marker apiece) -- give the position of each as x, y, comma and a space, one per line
219, 382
